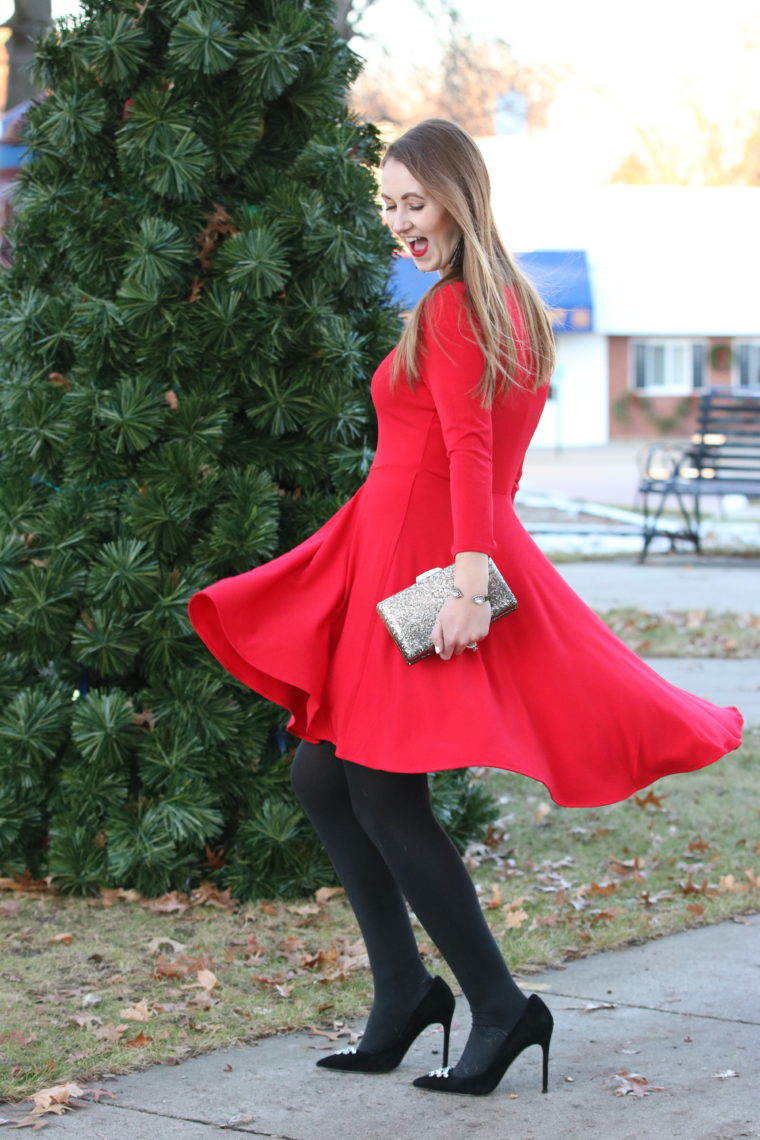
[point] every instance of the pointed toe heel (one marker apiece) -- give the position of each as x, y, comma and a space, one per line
437, 1007
534, 1027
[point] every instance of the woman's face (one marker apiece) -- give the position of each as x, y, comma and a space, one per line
428, 230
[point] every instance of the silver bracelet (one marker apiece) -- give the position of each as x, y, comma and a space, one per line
478, 599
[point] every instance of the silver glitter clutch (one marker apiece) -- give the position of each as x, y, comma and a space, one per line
409, 615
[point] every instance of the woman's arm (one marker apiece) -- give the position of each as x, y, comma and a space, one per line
451, 364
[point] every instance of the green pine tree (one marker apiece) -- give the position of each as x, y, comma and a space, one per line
195, 306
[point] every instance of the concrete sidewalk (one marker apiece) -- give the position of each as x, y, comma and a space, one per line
686, 583
667, 582
685, 1015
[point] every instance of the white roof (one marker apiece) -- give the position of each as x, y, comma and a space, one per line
663, 260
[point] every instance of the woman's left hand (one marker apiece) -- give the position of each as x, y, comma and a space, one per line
460, 623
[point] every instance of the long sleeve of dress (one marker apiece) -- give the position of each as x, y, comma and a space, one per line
451, 364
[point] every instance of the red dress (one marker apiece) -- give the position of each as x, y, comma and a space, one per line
551, 692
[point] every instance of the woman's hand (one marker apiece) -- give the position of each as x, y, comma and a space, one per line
460, 623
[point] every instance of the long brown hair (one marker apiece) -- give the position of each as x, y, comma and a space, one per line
448, 164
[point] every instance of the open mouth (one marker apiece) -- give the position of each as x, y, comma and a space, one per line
418, 246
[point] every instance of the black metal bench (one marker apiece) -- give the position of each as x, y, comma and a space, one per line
723, 458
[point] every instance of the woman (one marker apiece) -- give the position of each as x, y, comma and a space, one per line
548, 691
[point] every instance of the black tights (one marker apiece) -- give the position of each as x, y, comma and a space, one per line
386, 845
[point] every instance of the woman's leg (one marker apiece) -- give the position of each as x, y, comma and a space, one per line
394, 809
400, 979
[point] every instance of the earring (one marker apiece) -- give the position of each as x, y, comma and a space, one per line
457, 258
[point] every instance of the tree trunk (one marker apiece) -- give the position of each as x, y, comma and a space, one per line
29, 18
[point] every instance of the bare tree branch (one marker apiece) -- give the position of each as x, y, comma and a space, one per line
348, 16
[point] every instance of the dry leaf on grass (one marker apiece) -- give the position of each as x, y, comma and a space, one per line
67, 938
109, 1032
208, 894
17, 1037
206, 980
137, 1012
325, 894
633, 1084
155, 945
111, 895
496, 899
85, 1020
603, 888
180, 967
174, 902
649, 800
729, 883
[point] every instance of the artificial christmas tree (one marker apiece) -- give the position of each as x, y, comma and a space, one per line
196, 303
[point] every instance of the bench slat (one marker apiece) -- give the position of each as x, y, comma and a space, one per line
730, 415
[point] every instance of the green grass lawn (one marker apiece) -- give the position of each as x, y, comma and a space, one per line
117, 983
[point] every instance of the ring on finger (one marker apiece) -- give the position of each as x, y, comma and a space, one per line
474, 645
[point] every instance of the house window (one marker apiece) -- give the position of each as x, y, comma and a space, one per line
747, 363
668, 367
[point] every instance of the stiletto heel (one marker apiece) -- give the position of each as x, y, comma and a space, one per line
436, 1007
446, 1034
534, 1027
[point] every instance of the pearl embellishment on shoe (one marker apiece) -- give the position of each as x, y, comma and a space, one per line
441, 1072
343, 1052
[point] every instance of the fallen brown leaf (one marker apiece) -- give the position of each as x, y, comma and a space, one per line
55, 1099
155, 945
633, 1084
167, 904
303, 910
207, 979
18, 1037
729, 883
650, 800
604, 888
109, 1032
496, 899
325, 894
137, 1012
67, 938
208, 894
698, 844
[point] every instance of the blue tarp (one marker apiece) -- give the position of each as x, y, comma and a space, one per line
408, 283
560, 276
561, 279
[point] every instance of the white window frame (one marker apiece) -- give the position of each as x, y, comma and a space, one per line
753, 344
678, 375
